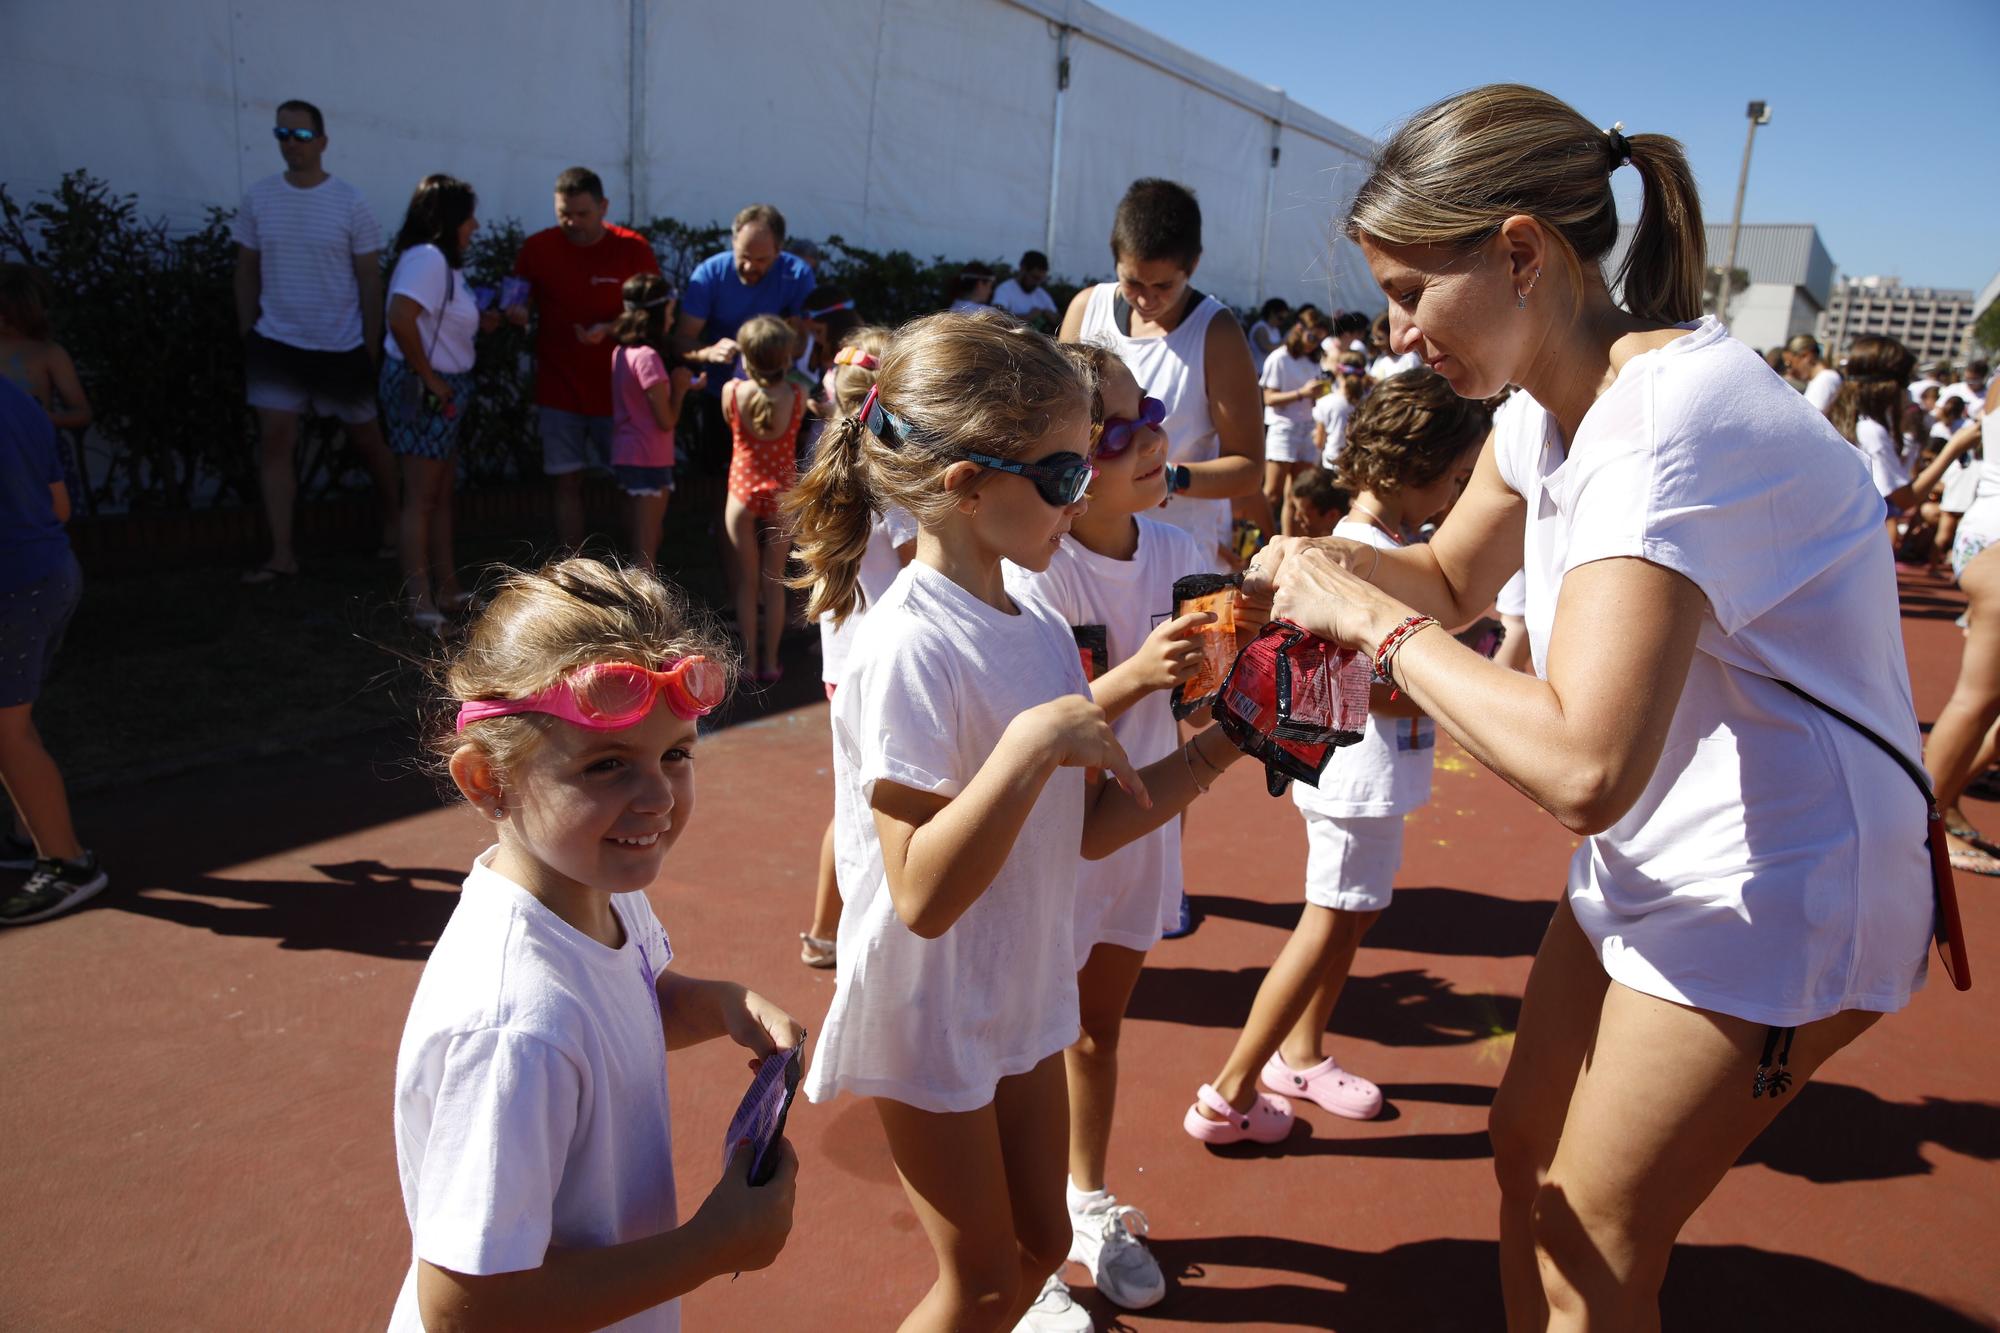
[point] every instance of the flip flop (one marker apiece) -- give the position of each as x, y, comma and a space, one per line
427, 622
1965, 831
1975, 863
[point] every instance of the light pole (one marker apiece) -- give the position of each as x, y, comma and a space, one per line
1760, 114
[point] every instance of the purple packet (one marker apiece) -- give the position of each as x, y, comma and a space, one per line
485, 297
760, 1117
515, 291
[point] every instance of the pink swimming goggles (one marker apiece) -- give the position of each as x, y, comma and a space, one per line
609, 696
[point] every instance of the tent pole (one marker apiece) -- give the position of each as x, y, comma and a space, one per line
1270, 199
1055, 141
635, 129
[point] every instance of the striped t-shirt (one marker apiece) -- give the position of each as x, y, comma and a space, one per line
306, 241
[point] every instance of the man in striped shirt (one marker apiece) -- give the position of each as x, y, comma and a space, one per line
309, 307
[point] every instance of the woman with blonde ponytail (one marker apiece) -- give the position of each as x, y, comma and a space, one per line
1752, 891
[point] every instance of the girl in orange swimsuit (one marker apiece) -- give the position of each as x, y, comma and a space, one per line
763, 465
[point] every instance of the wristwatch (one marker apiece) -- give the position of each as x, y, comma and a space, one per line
1178, 479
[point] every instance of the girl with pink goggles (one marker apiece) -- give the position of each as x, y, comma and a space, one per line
609, 696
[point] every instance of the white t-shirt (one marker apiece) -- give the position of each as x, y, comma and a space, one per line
1333, 412
1974, 399
423, 275
1917, 388
1823, 387
1885, 460
1130, 897
306, 241
1513, 598
1285, 373
1388, 367
879, 566
1774, 867
1387, 771
1173, 369
963, 307
1265, 338
1010, 298
935, 677
531, 1091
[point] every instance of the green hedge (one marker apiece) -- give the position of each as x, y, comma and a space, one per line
149, 316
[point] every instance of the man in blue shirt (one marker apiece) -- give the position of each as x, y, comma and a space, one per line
39, 587
755, 276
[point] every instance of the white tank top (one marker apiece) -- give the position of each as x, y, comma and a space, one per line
1173, 369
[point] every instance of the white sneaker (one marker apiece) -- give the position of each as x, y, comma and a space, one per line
1055, 1311
1108, 1240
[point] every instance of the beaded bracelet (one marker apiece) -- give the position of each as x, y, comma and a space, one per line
1392, 643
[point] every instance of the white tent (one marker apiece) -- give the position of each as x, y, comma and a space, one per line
970, 128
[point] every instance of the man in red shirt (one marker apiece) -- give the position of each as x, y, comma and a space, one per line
574, 271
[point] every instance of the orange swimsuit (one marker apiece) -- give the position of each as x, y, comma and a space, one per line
762, 470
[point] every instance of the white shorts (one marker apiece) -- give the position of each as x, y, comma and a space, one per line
1287, 442
1961, 484
1352, 860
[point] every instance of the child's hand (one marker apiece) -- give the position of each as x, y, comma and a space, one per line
761, 1027
489, 320
750, 1222
517, 315
1077, 734
1170, 654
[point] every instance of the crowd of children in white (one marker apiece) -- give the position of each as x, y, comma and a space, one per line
989, 530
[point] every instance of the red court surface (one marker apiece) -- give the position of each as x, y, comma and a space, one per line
198, 1066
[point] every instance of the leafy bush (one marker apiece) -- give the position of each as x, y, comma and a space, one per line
150, 318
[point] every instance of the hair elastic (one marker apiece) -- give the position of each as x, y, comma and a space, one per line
1621, 147
854, 356
826, 310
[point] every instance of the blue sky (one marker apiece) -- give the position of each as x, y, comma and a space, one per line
1883, 115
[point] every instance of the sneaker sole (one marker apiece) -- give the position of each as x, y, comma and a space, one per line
83, 894
1144, 1303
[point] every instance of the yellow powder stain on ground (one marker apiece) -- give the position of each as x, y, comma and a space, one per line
1455, 763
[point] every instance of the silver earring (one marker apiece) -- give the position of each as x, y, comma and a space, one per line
499, 811
1521, 298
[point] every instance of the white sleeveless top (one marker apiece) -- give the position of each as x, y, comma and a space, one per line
1173, 369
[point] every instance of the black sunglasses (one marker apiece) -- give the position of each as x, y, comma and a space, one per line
280, 133
1060, 479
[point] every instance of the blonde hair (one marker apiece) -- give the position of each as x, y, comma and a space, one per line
542, 624
1460, 167
959, 383
1408, 432
852, 383
766, 343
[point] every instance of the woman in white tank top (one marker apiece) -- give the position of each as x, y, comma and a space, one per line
1197, 365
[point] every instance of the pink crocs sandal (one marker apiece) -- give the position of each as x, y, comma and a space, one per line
1327, 1085
1268, 1120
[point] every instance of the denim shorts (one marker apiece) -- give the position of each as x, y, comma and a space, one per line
572, 442
642, 480
32, 621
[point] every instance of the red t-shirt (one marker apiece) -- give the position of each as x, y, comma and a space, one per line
578, 285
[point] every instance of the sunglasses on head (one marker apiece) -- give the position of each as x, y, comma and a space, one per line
281, 133
1118, 432
1060, 479
609, 696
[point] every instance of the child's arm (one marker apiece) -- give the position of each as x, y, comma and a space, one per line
1164, 660
74, 414
693, 1011
1113, 819
940, 853
738, 1228
664, 397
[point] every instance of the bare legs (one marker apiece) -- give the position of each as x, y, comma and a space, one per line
987, 1186
644, 514
277, 473
1104, 988
567, 499
35, 784
759, 550
1617, 1116
1278, 478
1967, 718
1293, 1003
424, 533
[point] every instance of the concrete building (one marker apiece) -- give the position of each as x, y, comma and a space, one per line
1791, 277
1935, 323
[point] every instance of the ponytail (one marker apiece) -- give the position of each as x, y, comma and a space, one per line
1665, 269
831, 511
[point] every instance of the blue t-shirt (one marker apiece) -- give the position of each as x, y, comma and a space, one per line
33, 544
714, 293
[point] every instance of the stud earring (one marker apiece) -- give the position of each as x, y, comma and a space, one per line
499, 811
